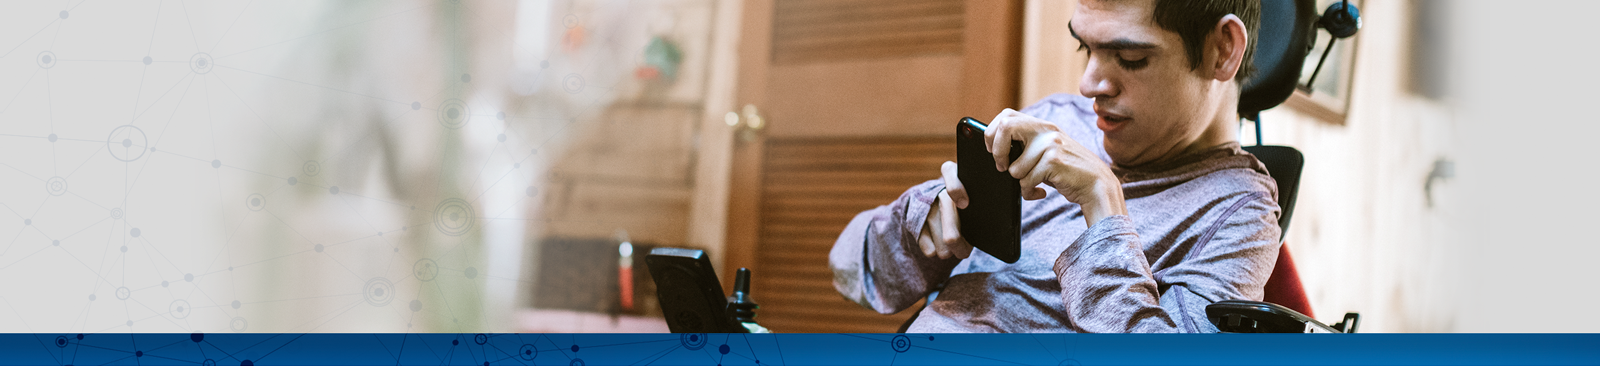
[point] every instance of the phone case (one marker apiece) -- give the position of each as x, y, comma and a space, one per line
992, 221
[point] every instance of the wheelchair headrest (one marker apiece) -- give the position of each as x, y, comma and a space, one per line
1284, 37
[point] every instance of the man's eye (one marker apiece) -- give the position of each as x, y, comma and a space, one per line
1133, 64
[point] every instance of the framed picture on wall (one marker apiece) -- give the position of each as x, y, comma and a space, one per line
1328, 98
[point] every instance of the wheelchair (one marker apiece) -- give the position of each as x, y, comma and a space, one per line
692, 299
1284, 39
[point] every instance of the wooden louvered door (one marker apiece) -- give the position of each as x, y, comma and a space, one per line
860, 99
810, 189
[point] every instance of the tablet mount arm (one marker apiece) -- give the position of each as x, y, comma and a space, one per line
1341, 20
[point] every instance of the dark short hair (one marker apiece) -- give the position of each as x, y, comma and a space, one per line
1194, 19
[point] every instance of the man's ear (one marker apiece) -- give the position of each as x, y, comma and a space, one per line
1228, 42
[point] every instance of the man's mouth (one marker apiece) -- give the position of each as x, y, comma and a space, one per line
1109, 122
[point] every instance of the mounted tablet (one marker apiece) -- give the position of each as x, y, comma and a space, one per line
690, 294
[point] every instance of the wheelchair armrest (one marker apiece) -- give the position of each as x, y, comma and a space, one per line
1241, 316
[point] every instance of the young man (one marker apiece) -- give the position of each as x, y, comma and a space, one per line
1140, 207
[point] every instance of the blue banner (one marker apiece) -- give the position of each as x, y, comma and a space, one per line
795, 349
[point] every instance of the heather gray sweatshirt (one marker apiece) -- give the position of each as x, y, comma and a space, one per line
1200, 229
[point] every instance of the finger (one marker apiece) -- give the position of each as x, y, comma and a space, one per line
1040, 175
1006, 113
988, 133
962, 249
999, 139
951, 230
1032, 154
952, 184
1034, 193
929, 239
1010, 126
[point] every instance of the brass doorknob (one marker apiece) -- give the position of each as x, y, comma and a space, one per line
748, 121
752, 118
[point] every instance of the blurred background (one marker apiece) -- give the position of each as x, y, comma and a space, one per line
502, 165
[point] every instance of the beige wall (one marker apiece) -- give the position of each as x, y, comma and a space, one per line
1366, 236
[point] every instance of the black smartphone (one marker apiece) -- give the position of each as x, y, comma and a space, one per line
992, 221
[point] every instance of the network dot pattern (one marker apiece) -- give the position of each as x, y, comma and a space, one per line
149, 182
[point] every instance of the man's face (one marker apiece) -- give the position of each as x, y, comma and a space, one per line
1151, 105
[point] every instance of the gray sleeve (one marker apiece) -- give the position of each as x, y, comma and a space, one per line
876, 261
1107, 285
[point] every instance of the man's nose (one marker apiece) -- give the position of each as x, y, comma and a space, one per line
1095, 82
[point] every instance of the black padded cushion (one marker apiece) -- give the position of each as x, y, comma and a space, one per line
1284, 164
1285, 36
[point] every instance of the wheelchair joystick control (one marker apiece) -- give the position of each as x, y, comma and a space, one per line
1349, 324
740, 306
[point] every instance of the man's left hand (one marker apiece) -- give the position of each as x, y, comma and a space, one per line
1051, 157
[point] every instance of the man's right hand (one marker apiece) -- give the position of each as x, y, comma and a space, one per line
941, 232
